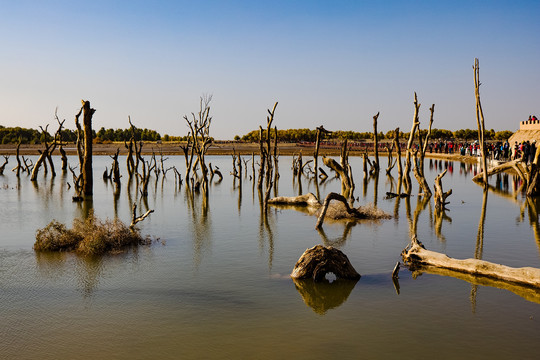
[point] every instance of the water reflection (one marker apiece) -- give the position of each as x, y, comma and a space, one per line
339, 241
528, 293
479, 248
324, 295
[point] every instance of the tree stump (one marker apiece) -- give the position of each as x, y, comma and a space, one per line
318, 261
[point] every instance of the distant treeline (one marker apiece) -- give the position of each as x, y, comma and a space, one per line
11, 135
296, 135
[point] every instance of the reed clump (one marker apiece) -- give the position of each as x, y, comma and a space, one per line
91, 236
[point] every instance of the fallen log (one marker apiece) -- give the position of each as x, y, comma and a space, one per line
318, 261
496, 169
415, 255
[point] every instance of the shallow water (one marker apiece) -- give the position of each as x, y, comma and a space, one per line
216, 283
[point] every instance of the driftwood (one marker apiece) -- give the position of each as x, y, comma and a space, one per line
416, 255
318, 261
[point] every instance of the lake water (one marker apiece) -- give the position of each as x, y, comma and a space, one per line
215, 285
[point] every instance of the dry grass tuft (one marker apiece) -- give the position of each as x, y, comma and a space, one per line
91, 236
337, 211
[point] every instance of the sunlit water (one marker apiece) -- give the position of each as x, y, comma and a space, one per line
216, 285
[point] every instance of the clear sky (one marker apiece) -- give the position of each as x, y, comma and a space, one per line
333, 63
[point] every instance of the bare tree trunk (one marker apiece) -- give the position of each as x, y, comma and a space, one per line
480, 118
376, 165
406, 175
440, 195
88, 179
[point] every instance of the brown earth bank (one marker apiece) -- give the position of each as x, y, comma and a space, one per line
218, 148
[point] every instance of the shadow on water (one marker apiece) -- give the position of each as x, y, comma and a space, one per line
325, 295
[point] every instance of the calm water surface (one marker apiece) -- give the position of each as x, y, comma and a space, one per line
216, 283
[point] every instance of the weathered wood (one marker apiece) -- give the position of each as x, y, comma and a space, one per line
6, 160
376, 166
87, 173
334, 196
303, 200
440, 195
136, 219
496, 169
480, 118
318, 261
406, 176
416, 255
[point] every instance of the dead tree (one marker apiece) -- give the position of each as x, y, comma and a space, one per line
84, 147
480, 118
265, 166
200, 134
18, 168
59, 141
406, 176
135, 219
130, 163
43, 154
440, 195
115, 169
419, 156
344, 170
147, 168
376, 166
321, 131
77, 180
6, 160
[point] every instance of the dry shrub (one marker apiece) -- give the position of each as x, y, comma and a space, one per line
373, 212
56, 237
337, 210
91, 236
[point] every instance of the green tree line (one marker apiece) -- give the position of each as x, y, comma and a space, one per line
11, 135
296, 135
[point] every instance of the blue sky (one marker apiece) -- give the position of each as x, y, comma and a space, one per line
335, 63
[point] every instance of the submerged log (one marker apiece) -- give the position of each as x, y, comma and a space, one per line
318, 261
416, 255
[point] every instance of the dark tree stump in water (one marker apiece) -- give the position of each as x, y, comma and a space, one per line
319, 260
